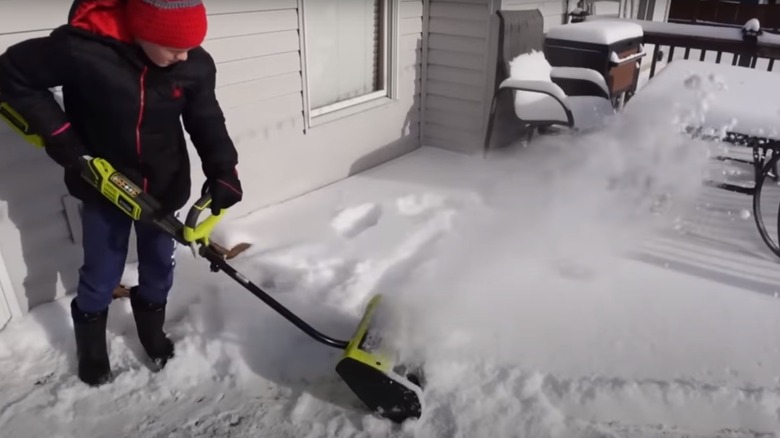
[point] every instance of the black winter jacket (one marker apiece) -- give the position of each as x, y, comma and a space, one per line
120, 105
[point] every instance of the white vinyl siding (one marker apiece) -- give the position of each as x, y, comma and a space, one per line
36, 253
279, 157
458, 40
554, 11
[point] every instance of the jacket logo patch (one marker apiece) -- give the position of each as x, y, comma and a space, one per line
176, 93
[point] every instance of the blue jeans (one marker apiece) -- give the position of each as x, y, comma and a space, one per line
106, 234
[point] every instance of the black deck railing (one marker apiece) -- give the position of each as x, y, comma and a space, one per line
724, 12
747, 46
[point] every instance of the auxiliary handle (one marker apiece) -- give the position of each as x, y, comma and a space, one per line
200, 232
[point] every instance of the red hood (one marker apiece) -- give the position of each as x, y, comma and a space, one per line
102, 17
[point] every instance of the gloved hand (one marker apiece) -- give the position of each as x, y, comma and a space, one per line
225, 190
65, 149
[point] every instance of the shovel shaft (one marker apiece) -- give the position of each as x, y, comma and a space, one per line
172, 226
218, 263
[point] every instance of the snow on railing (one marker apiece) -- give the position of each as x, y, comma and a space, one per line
749, 45
730, 13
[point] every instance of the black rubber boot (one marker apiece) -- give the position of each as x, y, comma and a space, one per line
149, 320
91, 349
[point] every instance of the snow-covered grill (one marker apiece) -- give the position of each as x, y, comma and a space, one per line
611, 47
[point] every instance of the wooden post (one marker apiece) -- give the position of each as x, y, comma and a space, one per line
748, 55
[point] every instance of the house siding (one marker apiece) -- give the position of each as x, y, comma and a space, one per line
257, 47
458, 34
554, 11
266, 114
37, 257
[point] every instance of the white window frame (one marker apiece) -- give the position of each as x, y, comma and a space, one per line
389, 47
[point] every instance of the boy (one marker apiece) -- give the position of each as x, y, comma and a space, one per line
129, 69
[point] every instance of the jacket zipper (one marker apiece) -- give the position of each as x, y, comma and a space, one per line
138, 125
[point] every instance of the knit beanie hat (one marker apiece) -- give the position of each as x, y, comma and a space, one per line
177, 24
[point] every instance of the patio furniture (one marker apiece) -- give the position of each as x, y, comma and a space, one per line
745, 112
572, 97
610, 47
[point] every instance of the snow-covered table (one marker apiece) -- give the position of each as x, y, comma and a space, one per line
740, 99
738, 105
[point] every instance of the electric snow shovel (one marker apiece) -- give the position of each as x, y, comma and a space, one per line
368, 366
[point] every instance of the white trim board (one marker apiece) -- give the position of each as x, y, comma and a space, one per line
7, 292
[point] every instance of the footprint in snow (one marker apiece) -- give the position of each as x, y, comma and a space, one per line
354, 220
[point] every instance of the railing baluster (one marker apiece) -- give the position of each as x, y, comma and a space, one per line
745, 51
656, 50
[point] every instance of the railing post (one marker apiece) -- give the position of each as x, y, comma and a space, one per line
750, 33
656, 51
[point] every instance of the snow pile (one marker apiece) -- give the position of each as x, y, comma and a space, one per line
752, 25
532, 66
352, 221
512, 285
601, 32
534, 69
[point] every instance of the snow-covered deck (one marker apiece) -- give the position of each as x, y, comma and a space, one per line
717, 237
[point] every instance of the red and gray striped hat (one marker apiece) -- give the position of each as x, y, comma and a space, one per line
179, 24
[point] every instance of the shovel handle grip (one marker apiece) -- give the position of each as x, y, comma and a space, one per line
195, 231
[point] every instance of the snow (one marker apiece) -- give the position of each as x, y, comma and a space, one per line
739, 99
752, 25
532, 71
693, 30
600, 32
354, 220
542, 286
531, 66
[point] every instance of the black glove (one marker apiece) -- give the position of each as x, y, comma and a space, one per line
225, 190
65, 149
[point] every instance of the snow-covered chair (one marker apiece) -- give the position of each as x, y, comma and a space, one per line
542, 96
540, 99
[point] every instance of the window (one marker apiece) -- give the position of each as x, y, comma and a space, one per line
349, 54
